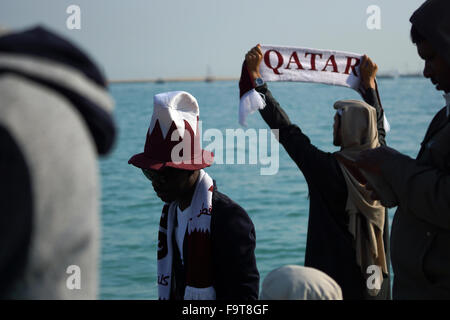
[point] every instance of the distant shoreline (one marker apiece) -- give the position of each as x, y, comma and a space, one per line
212, 79
161, 80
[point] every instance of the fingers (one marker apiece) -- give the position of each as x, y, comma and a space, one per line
254, 55
369, 64
368, 72
251, 58
256, 50
364, 61
250, 55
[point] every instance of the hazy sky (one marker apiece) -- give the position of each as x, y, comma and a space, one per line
180, 38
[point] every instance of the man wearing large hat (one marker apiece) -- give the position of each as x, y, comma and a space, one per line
206, 241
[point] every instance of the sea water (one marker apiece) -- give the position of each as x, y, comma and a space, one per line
277, 204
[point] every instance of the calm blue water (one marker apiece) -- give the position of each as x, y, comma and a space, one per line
277, 204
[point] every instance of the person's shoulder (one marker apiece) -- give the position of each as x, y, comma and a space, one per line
227, 214
440, 116
224, 208
441, 113
443, 110
222, 202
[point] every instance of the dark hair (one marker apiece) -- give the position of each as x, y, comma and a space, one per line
416, 36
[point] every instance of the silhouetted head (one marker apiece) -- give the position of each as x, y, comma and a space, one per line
354, 125
430, 31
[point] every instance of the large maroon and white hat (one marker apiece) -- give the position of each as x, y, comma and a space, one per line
173, 138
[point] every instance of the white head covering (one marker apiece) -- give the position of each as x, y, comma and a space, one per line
174, 107
293, 282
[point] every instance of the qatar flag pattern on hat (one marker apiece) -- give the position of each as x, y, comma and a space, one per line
173, 138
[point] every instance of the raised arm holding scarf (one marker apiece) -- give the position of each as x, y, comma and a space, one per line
347, 231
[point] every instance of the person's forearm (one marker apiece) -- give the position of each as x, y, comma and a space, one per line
370, 96
272, 113
422, 190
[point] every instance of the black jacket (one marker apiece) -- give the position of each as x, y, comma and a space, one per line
235, 273
329, 245
420, 237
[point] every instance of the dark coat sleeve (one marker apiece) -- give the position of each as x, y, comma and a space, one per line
15, 212
423, 190
371, 97
236, 276
320, 168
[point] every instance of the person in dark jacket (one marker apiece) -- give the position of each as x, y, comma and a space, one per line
347, 231
206, 242
55, 119
420, 238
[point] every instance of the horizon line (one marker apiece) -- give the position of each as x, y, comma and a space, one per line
212, 79
187, 79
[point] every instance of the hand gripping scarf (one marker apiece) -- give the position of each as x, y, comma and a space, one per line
198, 264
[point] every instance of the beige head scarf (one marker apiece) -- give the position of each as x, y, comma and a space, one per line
293, 282
358, 128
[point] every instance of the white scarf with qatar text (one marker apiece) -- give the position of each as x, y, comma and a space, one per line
198, 266
303, 65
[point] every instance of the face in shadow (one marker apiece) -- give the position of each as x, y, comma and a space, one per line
436, 68
169, 183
